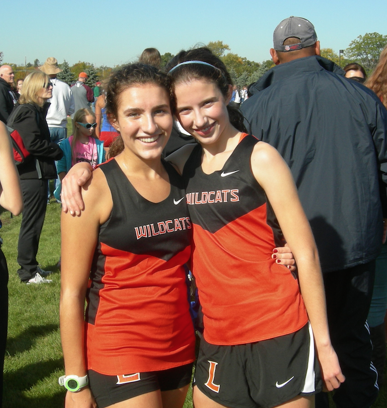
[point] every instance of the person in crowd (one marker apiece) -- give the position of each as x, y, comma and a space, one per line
244, 94
332, 134
96, 92
82, 146
235, 97
11, 200
140, 342
151, 56
61, 106
7, 97
104, 130
83, 94
356, 72
29, 119
19, 85
217, 174
377, 82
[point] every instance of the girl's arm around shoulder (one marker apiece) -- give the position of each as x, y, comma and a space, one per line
273, 174
96, 197
10, 193
72, 184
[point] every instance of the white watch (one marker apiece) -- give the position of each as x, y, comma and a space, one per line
73, 383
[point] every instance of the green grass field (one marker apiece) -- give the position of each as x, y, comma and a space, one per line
33, 359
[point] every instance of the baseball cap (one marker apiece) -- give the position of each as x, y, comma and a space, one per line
82, 75
294, 27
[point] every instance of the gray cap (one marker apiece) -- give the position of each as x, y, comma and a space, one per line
294, 27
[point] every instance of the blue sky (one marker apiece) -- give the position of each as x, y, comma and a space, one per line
114, 32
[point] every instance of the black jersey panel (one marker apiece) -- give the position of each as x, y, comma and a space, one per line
219, 198
95, 285
140, 226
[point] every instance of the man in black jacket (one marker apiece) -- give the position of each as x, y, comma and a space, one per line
332, 134
7, 98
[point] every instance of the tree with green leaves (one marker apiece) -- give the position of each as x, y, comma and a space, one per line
165, 58
328, 53
243, 80
66, 75
233, 75
218, 48
1, 56
233, 62
264, 67
366, 49
36, 63
103, 72
92, 77
79, 67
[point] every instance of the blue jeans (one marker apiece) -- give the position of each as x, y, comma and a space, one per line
57, 134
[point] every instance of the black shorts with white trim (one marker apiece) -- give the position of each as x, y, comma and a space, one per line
266, 373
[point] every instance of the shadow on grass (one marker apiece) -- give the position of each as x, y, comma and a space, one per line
32, 374
28, 338
53, 268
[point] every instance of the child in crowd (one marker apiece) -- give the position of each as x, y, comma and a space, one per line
82, 146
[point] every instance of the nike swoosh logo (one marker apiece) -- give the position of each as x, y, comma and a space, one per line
283, 384
178, 201
229, 173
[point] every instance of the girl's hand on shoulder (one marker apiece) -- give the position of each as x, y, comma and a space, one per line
330, 368
80, 399
71, 196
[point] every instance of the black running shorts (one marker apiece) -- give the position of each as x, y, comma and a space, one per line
111, 389
266, 373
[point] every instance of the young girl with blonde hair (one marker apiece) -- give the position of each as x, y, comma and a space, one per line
82, 146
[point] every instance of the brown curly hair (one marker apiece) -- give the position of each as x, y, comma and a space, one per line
377, 81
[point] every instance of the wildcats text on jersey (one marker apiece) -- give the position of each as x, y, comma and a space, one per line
163, 227
211, 197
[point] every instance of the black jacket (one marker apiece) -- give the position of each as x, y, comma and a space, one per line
30, 122
332, 134
6, 101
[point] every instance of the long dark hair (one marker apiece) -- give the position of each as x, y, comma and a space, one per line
216, 73
130, 75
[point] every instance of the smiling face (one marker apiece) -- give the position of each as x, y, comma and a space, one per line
144, 120
202, 110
